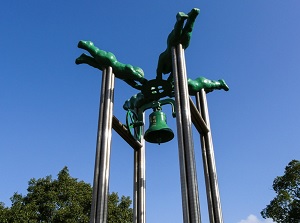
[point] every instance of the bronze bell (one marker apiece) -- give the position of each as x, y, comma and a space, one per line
159, 131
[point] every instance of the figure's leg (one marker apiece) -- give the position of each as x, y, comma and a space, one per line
192, 15
180, 18
188, 28
174, 36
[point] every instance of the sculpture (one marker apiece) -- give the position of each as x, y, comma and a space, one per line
155, 89
181, 33
152, 95
101, 59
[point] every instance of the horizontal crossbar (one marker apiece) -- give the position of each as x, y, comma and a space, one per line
124, 133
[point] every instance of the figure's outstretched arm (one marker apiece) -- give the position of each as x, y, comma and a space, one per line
85, 59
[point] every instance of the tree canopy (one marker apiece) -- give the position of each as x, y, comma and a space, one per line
64, 200
285, 207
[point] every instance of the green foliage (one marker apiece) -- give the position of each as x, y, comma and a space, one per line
285, 207
119, 210
63, 200
3, 213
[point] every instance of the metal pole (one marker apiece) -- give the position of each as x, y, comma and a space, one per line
102, 160
184, 193
97, 156
105, 152
189, 145
212, 172
108, 136
142, 177
139, 205
206, 170
184, 122
135, 186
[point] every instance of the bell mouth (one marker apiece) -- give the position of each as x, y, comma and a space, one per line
159, 136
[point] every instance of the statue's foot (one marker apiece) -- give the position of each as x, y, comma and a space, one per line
194, 13
224, 86
84, 44
82, 59
78, 61
181, 16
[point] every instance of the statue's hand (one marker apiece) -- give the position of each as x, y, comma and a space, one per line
85, 59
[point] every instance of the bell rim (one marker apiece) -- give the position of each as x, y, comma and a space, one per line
149, 138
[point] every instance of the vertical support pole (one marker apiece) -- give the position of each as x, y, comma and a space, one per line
209, 163
207, 181
103, 148
184, 192
188, 175
139, 205
135, 186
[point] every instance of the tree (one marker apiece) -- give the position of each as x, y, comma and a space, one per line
118, 209
285, 207
64, 200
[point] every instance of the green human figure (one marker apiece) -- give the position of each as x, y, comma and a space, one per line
181, 33
101, 59
206, 84
134, 102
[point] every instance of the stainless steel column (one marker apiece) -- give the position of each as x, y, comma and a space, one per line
102, 159
139, 200
210, 172
188, 176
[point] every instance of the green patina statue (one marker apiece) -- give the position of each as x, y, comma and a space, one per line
155, 89
181, 33
101, 59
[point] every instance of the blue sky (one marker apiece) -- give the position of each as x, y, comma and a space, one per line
49, 105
